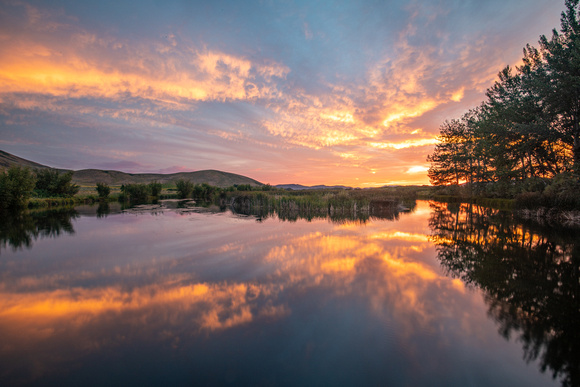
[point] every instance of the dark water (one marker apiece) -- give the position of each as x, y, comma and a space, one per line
440, 296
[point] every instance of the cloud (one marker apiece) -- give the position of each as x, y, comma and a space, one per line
340, 88
418, 169
85, 64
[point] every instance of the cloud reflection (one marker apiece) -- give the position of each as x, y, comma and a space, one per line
205, 278
338, 260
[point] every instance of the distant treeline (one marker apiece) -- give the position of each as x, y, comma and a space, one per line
523, 141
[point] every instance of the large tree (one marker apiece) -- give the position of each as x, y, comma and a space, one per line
559, 74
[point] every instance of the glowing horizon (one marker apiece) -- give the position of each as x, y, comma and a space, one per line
338, 94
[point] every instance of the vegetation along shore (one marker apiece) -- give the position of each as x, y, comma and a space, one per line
523, 141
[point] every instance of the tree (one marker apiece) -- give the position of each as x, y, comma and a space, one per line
155, 187
559, 72
50, 182
16, 185
451, 162
103, 190
184, 188
136, 192
527, 132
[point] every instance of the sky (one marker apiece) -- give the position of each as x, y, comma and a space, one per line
307, 92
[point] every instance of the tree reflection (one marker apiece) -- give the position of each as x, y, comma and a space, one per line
530, 278
20, 229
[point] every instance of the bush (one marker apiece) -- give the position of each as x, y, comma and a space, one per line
561, 193
155, 187
243, 187
184, 188
16, 185
135, 192
49, 182
103, 190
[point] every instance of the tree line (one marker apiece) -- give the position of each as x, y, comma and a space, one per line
524, 138
18, 184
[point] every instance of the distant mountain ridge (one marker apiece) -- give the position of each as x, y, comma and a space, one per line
92, 176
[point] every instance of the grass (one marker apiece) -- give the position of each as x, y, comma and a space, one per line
309, 204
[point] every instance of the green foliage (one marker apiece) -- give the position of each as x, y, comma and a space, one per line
136, 193
16, 185
526, 132
184, 188
103, 190
243, 187
155, 187
205, 191
562, 192
51, 183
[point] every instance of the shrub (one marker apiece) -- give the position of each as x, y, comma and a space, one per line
155, 187
135, 192
184, 188
16, 185
49, 182
103, 190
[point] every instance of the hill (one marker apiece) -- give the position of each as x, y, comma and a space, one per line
7, 160
211, 177
92, 176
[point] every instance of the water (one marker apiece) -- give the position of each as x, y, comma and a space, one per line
439, 296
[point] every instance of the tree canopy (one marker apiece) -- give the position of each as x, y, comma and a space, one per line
527, 130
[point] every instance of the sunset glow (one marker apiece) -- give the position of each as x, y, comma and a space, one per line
301, 92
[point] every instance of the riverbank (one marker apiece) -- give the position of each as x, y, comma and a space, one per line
550, 216
542, 215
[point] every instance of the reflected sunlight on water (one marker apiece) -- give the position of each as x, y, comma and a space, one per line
271, 301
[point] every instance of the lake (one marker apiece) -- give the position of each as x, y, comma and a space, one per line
441, 295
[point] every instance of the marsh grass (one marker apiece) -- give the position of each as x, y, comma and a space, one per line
337, 205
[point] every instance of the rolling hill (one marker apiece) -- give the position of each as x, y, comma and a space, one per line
7, 160
92, 176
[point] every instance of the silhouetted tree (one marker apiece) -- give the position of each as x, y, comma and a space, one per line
527, 132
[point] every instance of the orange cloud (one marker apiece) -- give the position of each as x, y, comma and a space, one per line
214, 76
81, 64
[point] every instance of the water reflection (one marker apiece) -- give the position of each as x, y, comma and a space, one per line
20, 229
293, 211
530, 276
191, 296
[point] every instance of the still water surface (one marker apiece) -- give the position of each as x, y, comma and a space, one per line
434, 297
